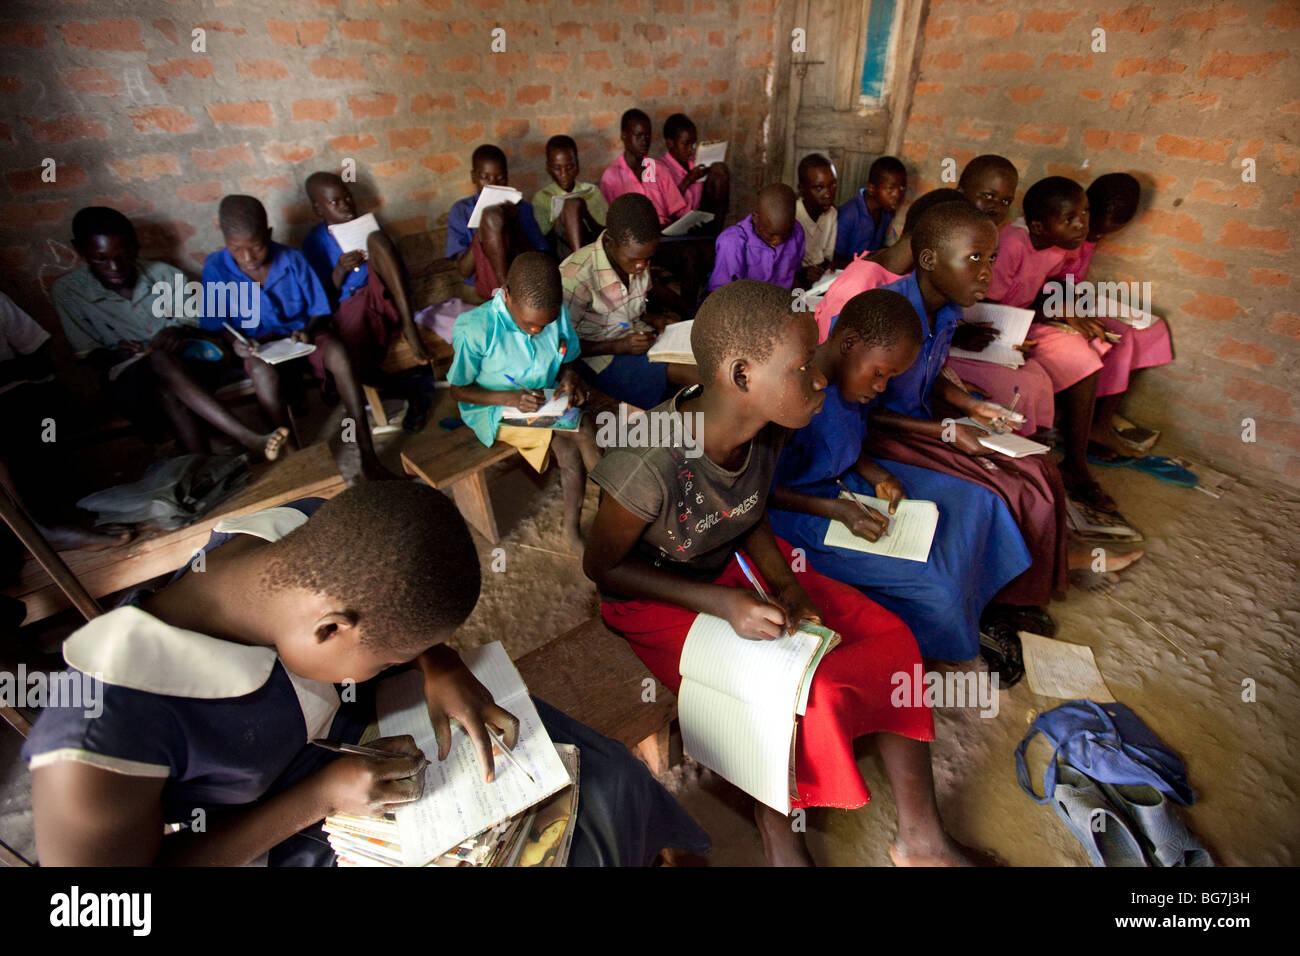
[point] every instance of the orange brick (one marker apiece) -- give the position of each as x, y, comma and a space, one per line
212, 160
200, 192
1268, 397
937, 29
261, 70
1016, 61
1120, 100
1037, 21
532, 95
64, 129
928, 89
121, 35
367, 30
67, 175
466, 134
597, 60
167, 119
337, 68
465, 63
1285, 323
1093, 95
690, 88
1025, 94
1219, 308
431, 31
1038, 135
1240, 235
170, 70
314, 111
422, 103
1131, 66
656, 87
717, 86
241, 114
1269, 277
1109, 139
27, 214
1207, 190
609, 31
350, 142
507, 63
99, 82
570, 31
552, 62
512, 128
717, 38
299, 33
1068, 61
441, 163
495, 97
946, 60
391, 167
212, 26
1176, 225
1246, 354
1287, 159
1203, 100
1210, 150
289, 152
22, 34
379, 105
636, 59
1282, 16
1199, 265
1233, 67
408, 138
974, 129
148, 166
1204, 20
999, 26
1129, 20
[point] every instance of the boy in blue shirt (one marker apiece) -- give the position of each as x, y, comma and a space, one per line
278, 297
508, 350
483, 254
865, 219
211, 689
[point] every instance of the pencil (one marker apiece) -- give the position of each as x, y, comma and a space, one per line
499, 740
236, 333
355, 749
865, 510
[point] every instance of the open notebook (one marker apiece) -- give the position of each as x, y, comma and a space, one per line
457, 803
283, 350
1012, 325
492, 196
740, 700
688, 222
674, 344
556, 413
911, 530
706, 154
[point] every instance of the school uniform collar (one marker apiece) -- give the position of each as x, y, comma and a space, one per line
670, 159
278, 268
94, 291
129, 647
603, 270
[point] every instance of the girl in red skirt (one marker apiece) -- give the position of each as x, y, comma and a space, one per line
662, 550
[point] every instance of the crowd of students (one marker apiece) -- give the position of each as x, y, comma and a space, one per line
795, 404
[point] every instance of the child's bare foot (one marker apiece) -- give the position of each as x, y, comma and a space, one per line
272, 443
1081, 557
947, 852
66, 537
781, 845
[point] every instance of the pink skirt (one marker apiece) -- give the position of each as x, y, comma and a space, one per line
1137, 348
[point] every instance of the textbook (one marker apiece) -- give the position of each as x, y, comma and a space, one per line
457, 802
706, 154
688, 222
1012, 325
556, 413
492, 196
557, 202
538, 837
673, 344
1009, 443
352, 235
911, 530
740, 701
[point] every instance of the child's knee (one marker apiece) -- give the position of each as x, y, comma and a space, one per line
720, 174
492, 223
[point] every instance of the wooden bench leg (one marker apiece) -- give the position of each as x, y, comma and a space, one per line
376, 406
9, 857
653, 751
471, 497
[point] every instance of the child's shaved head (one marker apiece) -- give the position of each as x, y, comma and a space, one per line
886, 166
1113, 199
101, 221
1047, 197
774, 216
810, 162
742, 319
924, 203
881, 318
943, 223
534, 279
487, 153
241, 215
633, 116
557, 143
677, 124
395, 554
981, 166
320, 180
632, 219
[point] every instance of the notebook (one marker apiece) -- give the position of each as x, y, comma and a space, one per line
1012, 325
706, 154
555, 413
492, 196
457, 803
673, 344
911, 530
557, 202
740, 701
351, 236
688, 222
283, 350
818, 290
1009, 444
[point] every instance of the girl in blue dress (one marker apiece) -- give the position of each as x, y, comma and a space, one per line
977, 547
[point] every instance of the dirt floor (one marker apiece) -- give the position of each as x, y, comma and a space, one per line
1219, 580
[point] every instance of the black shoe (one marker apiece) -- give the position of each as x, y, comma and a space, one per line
1000, 648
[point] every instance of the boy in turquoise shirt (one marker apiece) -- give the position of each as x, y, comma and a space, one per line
507, 351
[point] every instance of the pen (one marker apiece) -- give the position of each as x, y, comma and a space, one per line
354, 749
865, 510
753, 579
235, 332
499, 741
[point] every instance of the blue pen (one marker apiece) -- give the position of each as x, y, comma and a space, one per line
753, 579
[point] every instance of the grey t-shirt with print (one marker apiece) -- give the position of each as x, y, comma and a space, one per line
696, 510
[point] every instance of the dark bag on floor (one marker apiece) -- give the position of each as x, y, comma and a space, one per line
174, 492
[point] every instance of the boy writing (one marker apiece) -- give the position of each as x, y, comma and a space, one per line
290, 302
507, 351
582, 214
767, 245
864, 220
483, 254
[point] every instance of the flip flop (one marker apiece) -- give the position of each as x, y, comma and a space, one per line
1166, 469
1168, 841
1087, 813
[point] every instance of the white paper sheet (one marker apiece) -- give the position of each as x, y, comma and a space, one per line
674, 344
1009, 444
1059, 669
706, 154
283, 350
553, 406
492, 196
351, 236
688, 222
1012, 325
911, 530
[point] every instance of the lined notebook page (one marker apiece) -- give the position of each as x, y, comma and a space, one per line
1012, 325
674, 345
755, 671
457, 803
553, 406
911, 530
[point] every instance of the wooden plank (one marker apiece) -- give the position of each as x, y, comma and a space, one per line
592, 675
441, 459
309, 473
399, 357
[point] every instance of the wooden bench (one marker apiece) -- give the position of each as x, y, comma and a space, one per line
311, 472
592, 675
455, 462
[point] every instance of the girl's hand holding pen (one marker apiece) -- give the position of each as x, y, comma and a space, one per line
864, 522
750, 616
452, 691
370, 786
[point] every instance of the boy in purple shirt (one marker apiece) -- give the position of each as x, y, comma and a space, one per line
767, 246
865, 219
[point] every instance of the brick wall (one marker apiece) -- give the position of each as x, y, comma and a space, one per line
135, 118
1182, 94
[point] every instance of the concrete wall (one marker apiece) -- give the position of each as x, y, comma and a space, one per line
135, 118
1182, 94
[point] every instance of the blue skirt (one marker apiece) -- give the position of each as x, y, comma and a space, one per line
977, 549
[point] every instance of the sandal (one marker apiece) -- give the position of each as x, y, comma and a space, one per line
1102, 830
1000, 648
